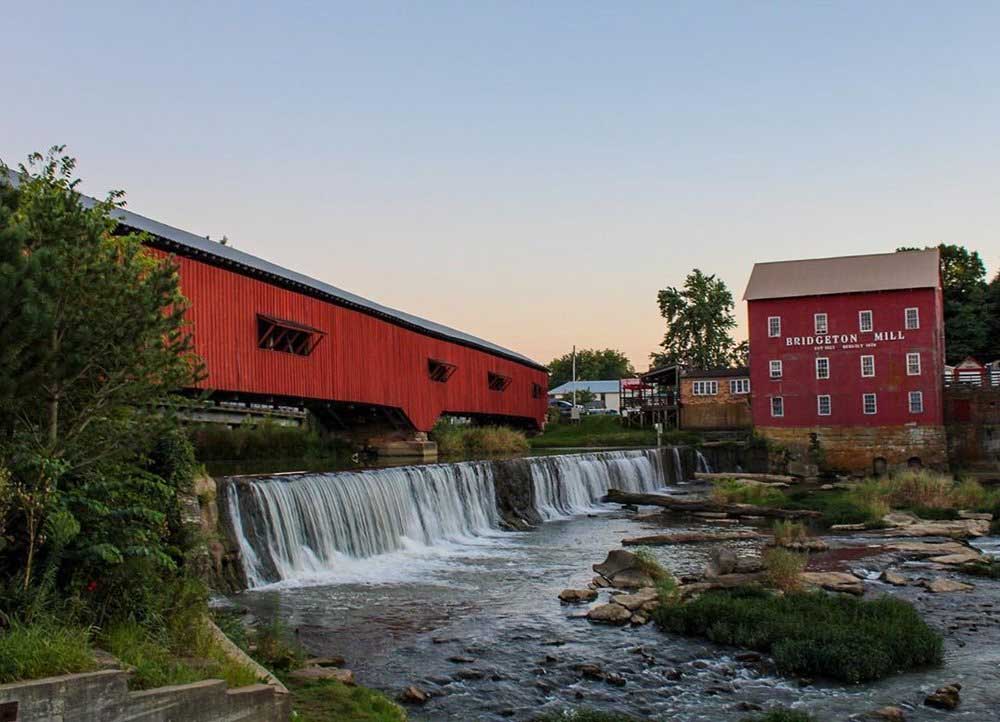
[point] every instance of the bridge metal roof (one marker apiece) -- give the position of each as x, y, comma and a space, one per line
188, 244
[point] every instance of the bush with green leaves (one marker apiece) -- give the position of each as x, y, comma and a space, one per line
812, 633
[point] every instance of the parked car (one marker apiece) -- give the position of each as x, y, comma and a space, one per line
565, 407
601, 411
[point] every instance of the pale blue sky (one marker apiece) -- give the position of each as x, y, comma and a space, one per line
528, 172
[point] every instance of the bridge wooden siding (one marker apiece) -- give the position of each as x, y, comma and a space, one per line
361, 359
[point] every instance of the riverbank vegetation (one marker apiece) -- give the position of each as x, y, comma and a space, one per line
604, 431
464, 441
247, 449
811, 633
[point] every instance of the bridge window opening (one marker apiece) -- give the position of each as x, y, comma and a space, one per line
536, 391
498, 382
440, 371
276, 334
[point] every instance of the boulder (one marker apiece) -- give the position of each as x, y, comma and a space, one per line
600, 582
413, 695
940, 585
639, 600
848, 527
577, 596
610, 614
344, 676
841, 582
944, 697
906, 524
639, 618
723, 561
950, 553
622, 569
893, 714
324, 662
981, 515
893, 578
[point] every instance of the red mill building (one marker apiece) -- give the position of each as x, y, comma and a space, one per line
850, 349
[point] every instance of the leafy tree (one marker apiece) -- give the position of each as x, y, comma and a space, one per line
583, 396
591, 365
699, 323
992, 313
966, 323
95, 344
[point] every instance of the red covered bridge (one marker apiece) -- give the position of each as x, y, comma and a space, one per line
267, 333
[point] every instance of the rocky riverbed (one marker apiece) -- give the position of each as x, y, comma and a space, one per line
481, 629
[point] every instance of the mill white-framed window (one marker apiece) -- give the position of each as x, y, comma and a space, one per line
913, 364
777, 407
776, 369
705, 388
912, 318
823, 405
869, 404
773, 326
865, 320
867, 366
822, 367
916, 402
739, 386
820, 323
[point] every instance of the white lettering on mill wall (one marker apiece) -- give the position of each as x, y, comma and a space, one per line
843, 338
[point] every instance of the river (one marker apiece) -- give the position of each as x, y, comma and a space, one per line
470, 612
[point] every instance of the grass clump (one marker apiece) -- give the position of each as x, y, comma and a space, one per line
649, 564
732, 491
812, 633
988, 569
585, 715
43, 649
784, 568
789, 532
465, 441
320, 701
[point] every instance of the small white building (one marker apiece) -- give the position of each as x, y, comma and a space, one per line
607, 392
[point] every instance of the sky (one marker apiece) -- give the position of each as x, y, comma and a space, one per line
529, 172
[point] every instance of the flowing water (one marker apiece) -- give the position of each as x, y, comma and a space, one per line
702, 462
407, 574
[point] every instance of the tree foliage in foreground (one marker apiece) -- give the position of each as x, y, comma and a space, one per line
95, 344
591, 365
700, 323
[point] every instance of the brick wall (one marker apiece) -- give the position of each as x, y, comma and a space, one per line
854, 448
723, 410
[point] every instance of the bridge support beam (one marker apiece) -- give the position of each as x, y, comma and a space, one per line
414, 445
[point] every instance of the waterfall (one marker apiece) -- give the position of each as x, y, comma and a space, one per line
574, 484
305, 524
703, 464
678, 465
314, 526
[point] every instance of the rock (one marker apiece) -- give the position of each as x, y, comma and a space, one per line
609, 614
893, 714
906, 524
834, 582
615, 679
640, 599
459, 659
805, 545
940, 585
577, 596
748, 657
470, 674
639, 618
951, 553
413, 695
826, 487
981, 515
630, 507
944, 697
344, 676
325, 662
632, 579
848, 527
590, 671
710, 514
749, 707
600, 582
723, 561
893, 578
673, 674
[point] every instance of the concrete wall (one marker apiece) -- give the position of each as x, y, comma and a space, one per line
972, 417
104, 697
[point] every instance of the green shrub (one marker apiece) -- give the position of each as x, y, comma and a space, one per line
265, 441
465, 441
789, 532
605, 431
989, 569
649, 564
271, 646
325, 701
732, 491
813, 633
784, 568
43, 649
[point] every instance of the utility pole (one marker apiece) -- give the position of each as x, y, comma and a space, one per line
574, 375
